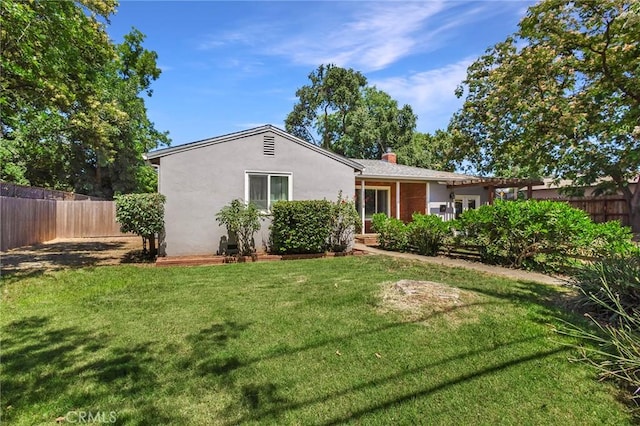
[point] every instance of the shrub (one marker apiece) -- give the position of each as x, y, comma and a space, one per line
142, 214
532, 233
242, 222
612, 290
301, 226
616, 275
345, 222
426, 234
392, 232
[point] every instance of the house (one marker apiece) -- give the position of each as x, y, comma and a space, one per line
262, 165
399, 191
266, 164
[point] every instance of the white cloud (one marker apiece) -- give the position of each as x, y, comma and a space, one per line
363, 35
430, 93
374, 37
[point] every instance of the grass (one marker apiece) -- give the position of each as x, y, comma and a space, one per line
304, 342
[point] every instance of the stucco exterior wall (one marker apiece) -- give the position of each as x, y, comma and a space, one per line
200, 181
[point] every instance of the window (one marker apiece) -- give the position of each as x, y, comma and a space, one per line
264, 189
376, 200
465, 202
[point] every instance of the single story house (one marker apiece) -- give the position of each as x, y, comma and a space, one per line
266, 164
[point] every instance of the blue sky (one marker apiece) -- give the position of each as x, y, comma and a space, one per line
229, 66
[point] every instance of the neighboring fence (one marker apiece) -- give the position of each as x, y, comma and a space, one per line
27, 221
601, 209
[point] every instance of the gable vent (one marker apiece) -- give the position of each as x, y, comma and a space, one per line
269, 145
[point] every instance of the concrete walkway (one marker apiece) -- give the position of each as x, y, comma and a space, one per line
516, 274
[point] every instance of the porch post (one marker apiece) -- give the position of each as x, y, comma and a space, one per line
492, 193
362, 205
529, 192
427, 195
397, 199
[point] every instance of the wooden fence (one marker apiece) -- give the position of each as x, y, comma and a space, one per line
601, 209
28, 221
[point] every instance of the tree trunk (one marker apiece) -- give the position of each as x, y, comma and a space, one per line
633, 203
634, 210
153, 251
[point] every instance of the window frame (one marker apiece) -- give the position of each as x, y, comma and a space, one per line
375, 188
268, 174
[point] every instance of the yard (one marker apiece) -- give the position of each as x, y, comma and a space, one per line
323, 341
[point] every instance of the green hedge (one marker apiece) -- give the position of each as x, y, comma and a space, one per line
535, 233
393, 234
426, 234
300, 227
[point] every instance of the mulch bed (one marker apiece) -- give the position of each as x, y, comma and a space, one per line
220, 260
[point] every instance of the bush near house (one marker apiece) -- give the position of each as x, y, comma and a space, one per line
393, 234
301, 227
426, 234
242, 222
535, 233
345, 222
142, 214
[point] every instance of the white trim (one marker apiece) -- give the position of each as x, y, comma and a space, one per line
427, 210
362, 212
397, 200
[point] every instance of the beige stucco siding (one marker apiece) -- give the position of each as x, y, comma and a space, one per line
200, 181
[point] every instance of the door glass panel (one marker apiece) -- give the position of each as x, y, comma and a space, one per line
471, 203
383, 195
458, 208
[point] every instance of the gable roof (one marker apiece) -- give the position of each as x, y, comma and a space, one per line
156, 155
385, 170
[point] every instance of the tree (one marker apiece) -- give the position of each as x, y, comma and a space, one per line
323, 106
72, 115
142, 214
339, 112
376, 124
560, 98
429, 151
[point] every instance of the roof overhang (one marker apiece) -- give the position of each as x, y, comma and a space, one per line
494, 182
154, 156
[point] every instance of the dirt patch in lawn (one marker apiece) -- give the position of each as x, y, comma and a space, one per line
71, 253
421, 300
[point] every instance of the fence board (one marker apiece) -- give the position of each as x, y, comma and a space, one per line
26, 221
77, 219
601, 209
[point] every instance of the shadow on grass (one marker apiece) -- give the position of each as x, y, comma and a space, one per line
69, 254
66, 368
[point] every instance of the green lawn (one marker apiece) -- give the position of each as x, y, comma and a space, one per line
298, 342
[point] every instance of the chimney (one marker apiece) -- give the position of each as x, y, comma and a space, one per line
389, 156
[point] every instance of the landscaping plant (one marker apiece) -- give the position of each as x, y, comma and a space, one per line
426, 234
301, 227
345, 222
611, 292
392, 233
142, 214
242, 222
536, 233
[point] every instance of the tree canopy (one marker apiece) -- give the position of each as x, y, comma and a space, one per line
340, 112
560, 98
72, 113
